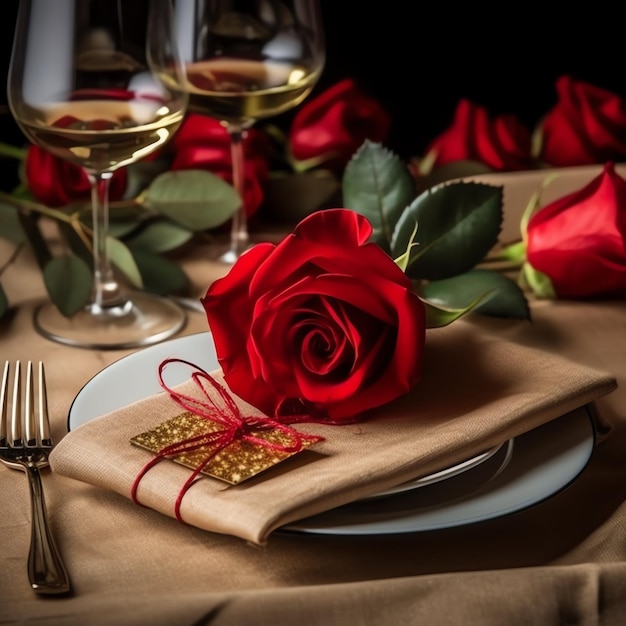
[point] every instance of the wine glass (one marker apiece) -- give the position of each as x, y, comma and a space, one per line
246, 60
99, 84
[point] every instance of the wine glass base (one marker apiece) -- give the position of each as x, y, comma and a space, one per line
149, 320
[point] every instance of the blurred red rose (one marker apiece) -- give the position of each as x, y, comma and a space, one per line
203, 143
586, 126
579, 241
501, 142
324, 323
333, 125
56, 182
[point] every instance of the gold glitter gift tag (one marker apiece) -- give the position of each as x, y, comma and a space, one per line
234, 463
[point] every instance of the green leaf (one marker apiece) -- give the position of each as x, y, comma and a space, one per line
68, 281
121, 229
539, 283
159, 275
196, 199
10, 227
438, 315
159, 235
4, 302
123, 259
378, 185
76, 244
36, 240
457, 225
506, 298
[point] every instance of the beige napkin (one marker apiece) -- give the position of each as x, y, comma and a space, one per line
477, 391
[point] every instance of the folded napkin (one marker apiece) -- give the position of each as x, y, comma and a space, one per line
477, 391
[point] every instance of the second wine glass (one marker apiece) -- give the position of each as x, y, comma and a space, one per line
246, 60
98, 84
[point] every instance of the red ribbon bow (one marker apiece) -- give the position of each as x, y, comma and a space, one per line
236, 427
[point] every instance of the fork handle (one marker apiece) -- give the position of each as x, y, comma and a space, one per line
46, 571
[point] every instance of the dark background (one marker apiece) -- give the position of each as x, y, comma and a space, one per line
419, 58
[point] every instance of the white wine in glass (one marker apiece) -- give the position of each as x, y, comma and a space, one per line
99, 83
247, 60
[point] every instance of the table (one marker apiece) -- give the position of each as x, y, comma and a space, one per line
561, 561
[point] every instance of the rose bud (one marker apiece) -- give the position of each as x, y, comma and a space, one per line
587, 125
501, 142
579, 240
332, 126
323, 324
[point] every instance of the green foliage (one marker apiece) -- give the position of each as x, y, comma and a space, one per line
195, 199
504, 297
10, 227
437, 237
159, 275
159, 235
123, 259
378, 185
457, 225
438, 315
167, 209
68, 281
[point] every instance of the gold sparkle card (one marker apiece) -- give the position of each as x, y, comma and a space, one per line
235, 462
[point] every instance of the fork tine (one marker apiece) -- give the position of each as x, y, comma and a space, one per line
30, 434
15, 437
4, 402
44, 420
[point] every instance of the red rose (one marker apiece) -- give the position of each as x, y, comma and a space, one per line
335, 124
579, 241
56, 182
203, 143
502, 142
323, 323
586, 126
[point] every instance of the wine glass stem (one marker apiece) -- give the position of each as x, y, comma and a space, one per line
107, 297
239, 229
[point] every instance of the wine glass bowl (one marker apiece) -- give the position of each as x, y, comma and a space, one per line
246, 60
98, 83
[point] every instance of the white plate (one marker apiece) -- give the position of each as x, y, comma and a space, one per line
544, 462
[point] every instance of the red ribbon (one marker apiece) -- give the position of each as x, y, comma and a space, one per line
235, 427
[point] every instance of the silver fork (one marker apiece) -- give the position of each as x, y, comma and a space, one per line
25, 443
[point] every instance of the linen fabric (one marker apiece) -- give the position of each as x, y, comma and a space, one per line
477, 391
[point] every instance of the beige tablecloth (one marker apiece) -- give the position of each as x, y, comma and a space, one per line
562, 561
